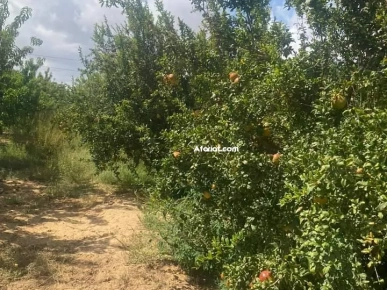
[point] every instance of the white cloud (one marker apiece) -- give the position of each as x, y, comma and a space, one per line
53, 17
58, 40
63, 25
280, 12
38, 7
293, 22
91, 13
182, 9
15, 5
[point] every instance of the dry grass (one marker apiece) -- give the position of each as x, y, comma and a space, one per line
30, 262
96, 241
63, 227
143, 247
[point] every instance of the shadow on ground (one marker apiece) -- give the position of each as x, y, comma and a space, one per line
73, 242
29, 221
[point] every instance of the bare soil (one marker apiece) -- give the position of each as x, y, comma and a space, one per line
93, 242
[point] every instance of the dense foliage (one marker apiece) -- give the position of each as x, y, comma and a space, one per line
315, 219
23, 92
302, 205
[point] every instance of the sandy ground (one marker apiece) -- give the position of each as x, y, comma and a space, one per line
77, 244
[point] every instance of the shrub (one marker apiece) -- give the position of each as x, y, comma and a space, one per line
311, 218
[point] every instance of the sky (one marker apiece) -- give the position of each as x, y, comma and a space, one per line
66, 25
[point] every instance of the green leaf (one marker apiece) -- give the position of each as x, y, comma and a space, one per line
326, 269
381, 206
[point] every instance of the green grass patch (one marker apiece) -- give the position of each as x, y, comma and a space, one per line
138, 178
60, 160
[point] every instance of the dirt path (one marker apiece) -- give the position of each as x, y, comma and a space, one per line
77, 244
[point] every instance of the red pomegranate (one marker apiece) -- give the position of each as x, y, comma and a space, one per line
265, 275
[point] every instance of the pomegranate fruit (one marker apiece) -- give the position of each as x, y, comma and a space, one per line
265, 275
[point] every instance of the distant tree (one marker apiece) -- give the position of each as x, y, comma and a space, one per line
10, 54
16, 102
